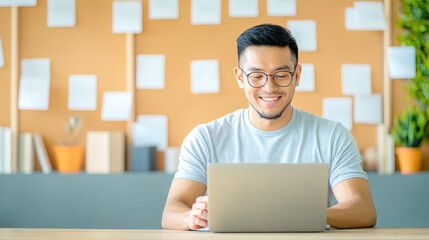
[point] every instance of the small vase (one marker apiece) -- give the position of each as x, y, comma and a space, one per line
69, 158
410, 159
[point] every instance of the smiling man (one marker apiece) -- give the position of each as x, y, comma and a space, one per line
270, 130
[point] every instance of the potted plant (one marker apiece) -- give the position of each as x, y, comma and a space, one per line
410, 130
68, 155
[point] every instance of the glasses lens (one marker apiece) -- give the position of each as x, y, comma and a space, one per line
257, 79
283, 78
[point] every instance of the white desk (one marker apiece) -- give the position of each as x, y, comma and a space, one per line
369, 233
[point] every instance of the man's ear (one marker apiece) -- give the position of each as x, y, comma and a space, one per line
298, 74
239, 76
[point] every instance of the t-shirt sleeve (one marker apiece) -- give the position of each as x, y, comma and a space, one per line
194, 156
345, 157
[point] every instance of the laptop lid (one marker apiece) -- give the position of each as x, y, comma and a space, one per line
267, 197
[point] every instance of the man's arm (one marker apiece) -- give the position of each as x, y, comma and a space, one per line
185, 209
355, 208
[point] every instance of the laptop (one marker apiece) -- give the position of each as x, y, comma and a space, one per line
267, 197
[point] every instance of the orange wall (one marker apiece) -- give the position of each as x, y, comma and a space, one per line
5, 70
91, 48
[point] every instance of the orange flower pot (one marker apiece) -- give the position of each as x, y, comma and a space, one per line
410, 159
69, 158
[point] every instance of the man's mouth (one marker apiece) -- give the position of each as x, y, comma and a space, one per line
270, 99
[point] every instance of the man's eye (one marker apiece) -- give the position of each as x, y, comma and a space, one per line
257, 76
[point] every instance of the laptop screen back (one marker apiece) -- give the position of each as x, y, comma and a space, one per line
267, 197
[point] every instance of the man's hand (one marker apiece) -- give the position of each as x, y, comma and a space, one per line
183, 202
198, 215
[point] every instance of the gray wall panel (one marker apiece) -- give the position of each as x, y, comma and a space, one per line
129, 200
136, 200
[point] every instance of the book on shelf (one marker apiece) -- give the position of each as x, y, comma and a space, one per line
143, 158
41, 153
5, 150
25, 155
1, 150
105, 152
386, 152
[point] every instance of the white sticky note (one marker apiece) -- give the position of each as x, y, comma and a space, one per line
402, 62
281, 8
339, 110
150, 71
19, 3
36, 68
61, 13
243, 8
305, 34
151, 130
205, 12
1, 54
82, 92
205, 76
163, 9
368, 109
351, 19
306, 82
370, 15
127, 17
116, 106
34, 84
356, 79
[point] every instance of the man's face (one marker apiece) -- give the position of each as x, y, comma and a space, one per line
270, 101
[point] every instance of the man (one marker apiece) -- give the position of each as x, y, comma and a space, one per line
270, 130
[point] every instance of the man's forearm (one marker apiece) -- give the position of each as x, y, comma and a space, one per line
174, 216
353, 213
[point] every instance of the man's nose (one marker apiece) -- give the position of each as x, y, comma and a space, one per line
270, 85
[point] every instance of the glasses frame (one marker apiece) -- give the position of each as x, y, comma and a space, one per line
267, 75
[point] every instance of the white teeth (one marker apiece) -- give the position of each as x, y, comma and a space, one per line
270, 99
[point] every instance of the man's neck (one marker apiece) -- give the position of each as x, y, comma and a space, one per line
270, 124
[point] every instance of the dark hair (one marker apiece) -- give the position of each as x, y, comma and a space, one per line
267, 35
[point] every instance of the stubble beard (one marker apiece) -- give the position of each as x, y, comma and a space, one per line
264, 116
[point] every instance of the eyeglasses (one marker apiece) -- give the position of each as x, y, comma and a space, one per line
259, 79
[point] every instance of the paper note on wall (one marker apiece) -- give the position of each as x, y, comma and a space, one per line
356, 79
82, 92
61, 13
351, 19
151, 130
370, 15
1, 54
306, 83
205, 12
305, 34
281, 8
339, 110
205, 76
402, 62
34, 84
243, 8
116, 106
368, 109
150, 71
366, 16
163, 9
127, 17
18, 3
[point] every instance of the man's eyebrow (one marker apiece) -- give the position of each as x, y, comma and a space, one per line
284, 67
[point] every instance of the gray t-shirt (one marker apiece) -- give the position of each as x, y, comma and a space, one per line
307, 138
